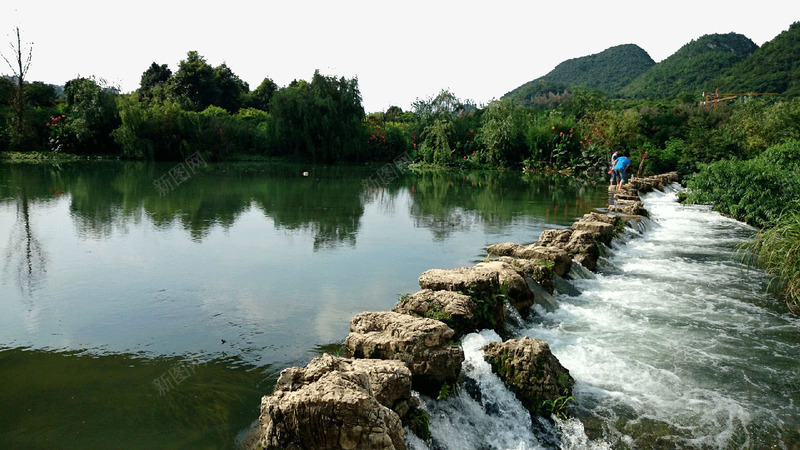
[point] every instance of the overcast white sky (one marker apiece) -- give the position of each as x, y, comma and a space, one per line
400, 51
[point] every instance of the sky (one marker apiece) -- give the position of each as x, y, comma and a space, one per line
399, 51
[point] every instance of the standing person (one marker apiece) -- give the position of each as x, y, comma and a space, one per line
611, 171
620, 166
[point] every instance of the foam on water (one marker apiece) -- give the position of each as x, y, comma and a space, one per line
673, 343
482, 413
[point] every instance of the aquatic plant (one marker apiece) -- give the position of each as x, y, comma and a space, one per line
445, 392
419, 422
558, 407
437, 312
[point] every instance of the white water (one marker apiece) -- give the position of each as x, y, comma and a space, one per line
673, 344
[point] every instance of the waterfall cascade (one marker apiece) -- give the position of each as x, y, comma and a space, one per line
673, 343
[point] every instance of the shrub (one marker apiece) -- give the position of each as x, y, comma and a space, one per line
662, 160
750, 191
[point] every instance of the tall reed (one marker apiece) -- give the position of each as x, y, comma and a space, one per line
777, 251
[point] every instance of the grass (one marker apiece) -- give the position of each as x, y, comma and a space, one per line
558, 407
38, 157
777, 251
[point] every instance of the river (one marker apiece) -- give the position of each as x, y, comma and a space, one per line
674, 343
139, 315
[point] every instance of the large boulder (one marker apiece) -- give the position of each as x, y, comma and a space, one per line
504, 249
554, 238
538, 272
580, 244
555, 257
584, 248
482, 284
629, 207
512, 283
602, 231
458, 311
425, 345
531, 372
558, 257
334, 403
599, 217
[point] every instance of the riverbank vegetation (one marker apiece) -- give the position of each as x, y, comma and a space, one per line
171, 116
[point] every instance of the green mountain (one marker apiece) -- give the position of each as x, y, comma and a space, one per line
609, 70
692, 67
775, 67
536, 92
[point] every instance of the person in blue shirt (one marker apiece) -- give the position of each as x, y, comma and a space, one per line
620, 166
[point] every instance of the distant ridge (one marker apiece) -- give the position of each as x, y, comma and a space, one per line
692, 67
775, 67
731, 62
609, 70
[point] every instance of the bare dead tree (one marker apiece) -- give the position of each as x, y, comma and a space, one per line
20, 71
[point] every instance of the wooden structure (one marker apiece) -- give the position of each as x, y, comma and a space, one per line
716, 97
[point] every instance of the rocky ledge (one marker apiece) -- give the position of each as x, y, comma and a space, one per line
364, 402
532, 373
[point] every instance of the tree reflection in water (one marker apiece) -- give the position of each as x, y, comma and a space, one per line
25, 259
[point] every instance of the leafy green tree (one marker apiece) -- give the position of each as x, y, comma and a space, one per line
436, 142
260, 97
759, 123
503, 132
93, 115
444, 104
154, 80
447, 127
320, 120
552, 140
231, 90
194, 85
393, 114
7, 89
39, 94
582, 101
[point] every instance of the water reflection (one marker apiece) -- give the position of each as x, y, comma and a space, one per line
446, 204
25, 259
109, 197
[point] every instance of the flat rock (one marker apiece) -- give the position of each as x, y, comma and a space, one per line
332, 404
458, 311
424, 345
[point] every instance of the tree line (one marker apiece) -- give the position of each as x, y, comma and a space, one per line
209, 110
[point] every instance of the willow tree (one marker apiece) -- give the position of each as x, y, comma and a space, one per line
19, 68
321, 120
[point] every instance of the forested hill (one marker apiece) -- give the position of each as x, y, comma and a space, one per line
692, 67
731, 62
775, 67
609, 70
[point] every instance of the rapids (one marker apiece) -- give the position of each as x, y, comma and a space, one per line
674, 343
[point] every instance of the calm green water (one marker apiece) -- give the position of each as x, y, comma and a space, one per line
133, 316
